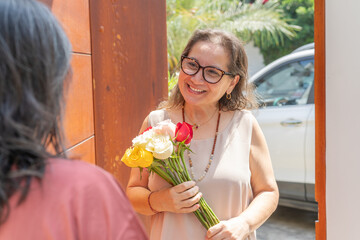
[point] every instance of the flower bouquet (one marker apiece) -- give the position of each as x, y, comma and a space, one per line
160, 149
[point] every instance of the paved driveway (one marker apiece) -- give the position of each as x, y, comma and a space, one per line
288, 224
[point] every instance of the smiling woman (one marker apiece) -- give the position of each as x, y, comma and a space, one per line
192, 86
229, 154
231, 57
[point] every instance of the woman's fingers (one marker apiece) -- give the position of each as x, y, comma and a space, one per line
184, 191
235, 228
191, 201
184, 186
189, 193
184, 197
189, 209
191, 204
213, 231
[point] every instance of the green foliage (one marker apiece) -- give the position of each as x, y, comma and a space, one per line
172, 80
263, 23
301, 13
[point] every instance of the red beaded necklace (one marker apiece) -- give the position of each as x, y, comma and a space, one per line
212, 151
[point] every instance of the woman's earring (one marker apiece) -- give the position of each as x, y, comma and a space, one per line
228, 96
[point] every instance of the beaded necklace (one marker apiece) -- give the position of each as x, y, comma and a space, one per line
211, 155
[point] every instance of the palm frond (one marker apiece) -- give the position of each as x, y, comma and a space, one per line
262, 23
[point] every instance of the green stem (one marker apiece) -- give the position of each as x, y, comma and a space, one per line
174, 168
174, 171
201, 219
213, 220
163, 175
181, 153
181, 173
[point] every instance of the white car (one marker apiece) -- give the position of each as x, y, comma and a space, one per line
287, 119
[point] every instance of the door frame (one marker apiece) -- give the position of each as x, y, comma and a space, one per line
320, 118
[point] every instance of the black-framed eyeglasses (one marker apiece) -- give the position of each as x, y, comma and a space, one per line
211, 74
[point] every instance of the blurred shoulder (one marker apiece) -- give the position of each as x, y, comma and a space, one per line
245, 112
157, 116
245, 115
159, 113
76, 172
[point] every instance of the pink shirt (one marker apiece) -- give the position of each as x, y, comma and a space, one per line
73, 201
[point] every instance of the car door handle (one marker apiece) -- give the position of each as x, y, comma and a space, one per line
291, 123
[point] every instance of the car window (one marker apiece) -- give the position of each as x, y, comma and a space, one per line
289, 85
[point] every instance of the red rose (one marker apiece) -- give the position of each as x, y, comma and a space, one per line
183, 132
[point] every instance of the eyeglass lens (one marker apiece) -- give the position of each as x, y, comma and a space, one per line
191, 67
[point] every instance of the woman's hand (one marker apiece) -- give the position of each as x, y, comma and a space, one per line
233, 229
182, 198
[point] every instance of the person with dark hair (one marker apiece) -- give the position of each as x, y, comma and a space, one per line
229, 163
42, 194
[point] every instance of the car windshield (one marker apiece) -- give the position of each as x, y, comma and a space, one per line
288, 85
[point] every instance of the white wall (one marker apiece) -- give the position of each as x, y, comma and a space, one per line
255, 58
342, 119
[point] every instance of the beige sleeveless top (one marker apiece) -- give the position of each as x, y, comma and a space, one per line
226, 187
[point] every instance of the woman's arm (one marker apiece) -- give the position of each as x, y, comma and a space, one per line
182, 198
265, 191
137, 190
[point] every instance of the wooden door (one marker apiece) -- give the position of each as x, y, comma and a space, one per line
79, 116
129, 60
119, 75
320, 119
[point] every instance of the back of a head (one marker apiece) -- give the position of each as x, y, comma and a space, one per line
34, 60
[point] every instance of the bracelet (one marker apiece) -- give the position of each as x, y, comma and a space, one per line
153, 210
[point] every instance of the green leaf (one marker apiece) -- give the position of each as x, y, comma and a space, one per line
266, 24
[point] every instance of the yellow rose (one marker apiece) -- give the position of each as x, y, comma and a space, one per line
137, 157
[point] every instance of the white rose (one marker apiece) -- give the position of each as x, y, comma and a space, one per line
143, 139
160, 145
165, 127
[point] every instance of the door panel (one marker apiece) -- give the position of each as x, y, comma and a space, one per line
84, 151
75, 19
286, 142
310, 156
79, 118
